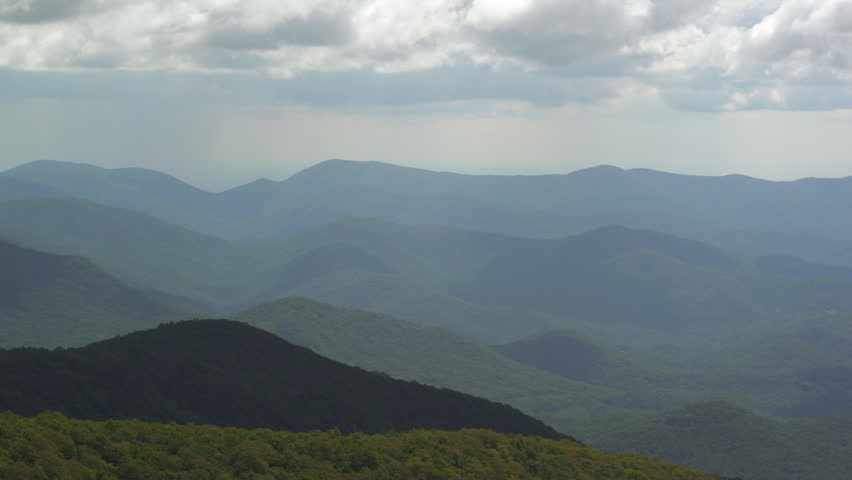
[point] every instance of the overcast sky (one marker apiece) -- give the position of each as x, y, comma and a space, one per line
219, 92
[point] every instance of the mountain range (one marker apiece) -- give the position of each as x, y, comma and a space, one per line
619, 285
803, 218
704, 320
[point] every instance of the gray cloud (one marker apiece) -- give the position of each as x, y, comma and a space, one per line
706, 55
315, 29
39, 11
558, 33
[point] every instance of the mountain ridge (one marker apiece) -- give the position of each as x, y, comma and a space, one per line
747, 214
228, 373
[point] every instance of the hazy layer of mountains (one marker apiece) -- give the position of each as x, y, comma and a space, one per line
621, 285
618, 306
51, 300
805, 218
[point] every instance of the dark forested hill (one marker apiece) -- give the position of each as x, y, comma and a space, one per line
802, 218
228, 373
51, 300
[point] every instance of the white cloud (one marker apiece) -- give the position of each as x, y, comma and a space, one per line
709, 55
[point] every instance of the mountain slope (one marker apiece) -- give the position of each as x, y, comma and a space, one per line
564, 353
712, 436
622, 285
12, 188
55, 300
435, 357
734, 441
625, 286
227, 373
138, 248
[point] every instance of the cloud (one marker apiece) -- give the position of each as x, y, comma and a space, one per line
356, 89
557, 32
316, 28
39, 11
708, 55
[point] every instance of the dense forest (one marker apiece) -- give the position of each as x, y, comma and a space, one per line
228, 373
51, 446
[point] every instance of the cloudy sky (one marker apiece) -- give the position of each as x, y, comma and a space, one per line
219, 92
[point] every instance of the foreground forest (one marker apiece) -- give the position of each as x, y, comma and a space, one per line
51, 446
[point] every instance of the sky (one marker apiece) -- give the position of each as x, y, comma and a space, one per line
221, 92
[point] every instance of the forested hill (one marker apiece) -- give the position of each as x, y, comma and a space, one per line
228, 373
52, 446
54, 300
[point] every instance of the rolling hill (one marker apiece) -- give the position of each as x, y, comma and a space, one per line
735, 441
53, 300
139, 189
439, 357
619, 285
228, 373
138, 248
624, 286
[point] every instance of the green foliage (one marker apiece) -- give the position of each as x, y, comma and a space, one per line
228, 373
51, 446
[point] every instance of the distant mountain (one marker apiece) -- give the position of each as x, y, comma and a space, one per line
614, 283
228, 373
52, 300
625, 286
139, 248
140, 189
12, 188
734, 441
803, 218
436, 357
